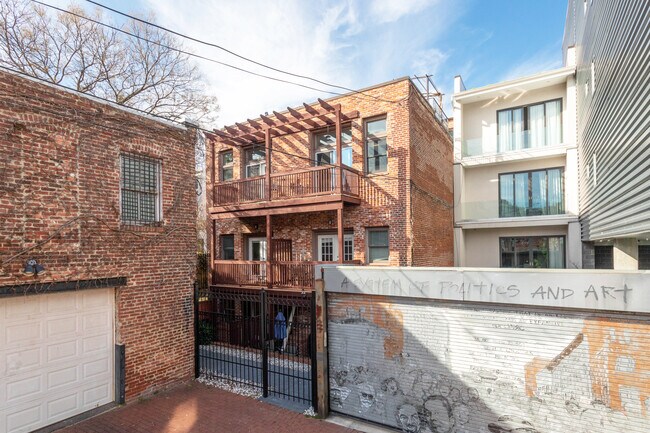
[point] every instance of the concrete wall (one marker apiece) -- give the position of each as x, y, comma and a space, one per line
407, 352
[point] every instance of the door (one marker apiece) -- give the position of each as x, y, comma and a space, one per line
257, 249
56, 357
328, 247
257, 253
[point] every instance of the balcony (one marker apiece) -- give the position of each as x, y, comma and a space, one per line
524, 142
308, 186
259, 274
487, 214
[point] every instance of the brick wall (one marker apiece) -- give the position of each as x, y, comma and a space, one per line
60, 204
386, 197
432, 194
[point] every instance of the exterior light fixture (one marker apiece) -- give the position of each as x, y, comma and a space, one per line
32, 267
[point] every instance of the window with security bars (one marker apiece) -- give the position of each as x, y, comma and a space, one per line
140, 190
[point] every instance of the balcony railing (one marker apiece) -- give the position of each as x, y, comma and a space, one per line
312, 181
285, 275
498, 144
489, 209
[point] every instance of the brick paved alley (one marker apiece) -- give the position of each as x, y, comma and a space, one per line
199, 408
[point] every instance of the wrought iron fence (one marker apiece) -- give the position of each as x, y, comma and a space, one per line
258, 338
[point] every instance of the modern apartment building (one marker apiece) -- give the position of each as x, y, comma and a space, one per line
365, 178
612, 52
515, 172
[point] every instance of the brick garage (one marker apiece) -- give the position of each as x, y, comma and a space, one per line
413, 198
60, 204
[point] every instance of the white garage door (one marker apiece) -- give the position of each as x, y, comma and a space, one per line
56, 357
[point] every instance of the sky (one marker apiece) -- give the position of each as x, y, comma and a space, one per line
357, 43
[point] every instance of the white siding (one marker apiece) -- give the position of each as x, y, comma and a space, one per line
613, 116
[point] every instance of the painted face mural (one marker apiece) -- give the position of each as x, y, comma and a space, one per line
366, 396
390, 386
338, 395
439, 414
408, 419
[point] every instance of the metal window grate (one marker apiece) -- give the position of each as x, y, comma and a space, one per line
140, 190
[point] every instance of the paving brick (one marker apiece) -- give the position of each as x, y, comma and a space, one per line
198, 408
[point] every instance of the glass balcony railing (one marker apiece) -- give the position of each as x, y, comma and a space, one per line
499, 144
489, 209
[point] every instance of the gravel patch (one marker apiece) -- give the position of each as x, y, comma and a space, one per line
247, 390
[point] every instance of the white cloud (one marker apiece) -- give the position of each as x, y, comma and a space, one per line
346, 42
544, 60
391, 10
428, 61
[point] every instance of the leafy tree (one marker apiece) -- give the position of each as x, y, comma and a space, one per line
148, 74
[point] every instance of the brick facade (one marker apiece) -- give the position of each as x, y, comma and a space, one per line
60, 204
414, 198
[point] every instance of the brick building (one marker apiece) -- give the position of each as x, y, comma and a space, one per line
287, 190
103, 199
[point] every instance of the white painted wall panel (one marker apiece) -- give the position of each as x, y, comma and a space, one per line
437, 366
56, 357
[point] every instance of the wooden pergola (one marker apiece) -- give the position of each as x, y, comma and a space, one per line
292, 121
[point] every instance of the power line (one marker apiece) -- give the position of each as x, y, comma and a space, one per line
311, 160
182, 51
355, 93
211, 44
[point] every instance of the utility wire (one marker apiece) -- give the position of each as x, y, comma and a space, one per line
182, 51
211, 44
294, 155
355, 93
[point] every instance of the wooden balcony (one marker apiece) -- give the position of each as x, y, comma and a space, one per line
308, 189
256, 274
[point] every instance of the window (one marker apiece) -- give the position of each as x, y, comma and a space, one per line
228, 247
539, 192
255, 161
536, 125
644, 257
325, 147
378, 251
604, 257
140, 190
593, 76
376, 147
348, 248
226, 166
532, 252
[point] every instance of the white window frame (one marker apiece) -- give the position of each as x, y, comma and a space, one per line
347, 237
248, 164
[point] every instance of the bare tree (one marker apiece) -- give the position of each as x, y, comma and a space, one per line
145, 72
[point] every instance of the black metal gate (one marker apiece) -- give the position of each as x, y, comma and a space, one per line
259, 338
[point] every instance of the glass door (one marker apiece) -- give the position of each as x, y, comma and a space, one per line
328, 248
257, 253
